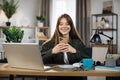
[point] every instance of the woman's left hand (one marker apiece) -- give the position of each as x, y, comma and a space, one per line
70, 48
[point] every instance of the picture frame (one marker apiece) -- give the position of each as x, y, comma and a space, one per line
107, 7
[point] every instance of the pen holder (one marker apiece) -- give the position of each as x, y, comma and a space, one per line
110, 62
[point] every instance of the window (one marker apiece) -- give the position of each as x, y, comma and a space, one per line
59, 7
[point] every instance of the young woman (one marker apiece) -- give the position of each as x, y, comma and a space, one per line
65, 47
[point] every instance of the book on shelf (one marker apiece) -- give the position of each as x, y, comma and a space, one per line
107, 68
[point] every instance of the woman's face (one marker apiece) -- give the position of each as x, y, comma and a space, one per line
64, 27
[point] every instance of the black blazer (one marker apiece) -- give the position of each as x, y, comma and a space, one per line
49, 58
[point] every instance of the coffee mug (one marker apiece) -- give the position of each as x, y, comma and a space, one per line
87, 63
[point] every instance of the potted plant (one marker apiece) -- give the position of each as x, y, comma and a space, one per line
41, 20
9, 7
13, 34
110, 61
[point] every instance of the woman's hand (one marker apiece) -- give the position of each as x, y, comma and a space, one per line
59, 48
70, 48
63, 47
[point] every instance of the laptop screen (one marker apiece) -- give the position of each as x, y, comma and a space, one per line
24, 55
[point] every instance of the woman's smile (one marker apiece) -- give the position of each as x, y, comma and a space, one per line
64, 27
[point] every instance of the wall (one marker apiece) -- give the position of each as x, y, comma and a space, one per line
117, 10
25, 15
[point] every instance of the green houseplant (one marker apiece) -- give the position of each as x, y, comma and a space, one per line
40, 20
13, 34
9, 7
110, 61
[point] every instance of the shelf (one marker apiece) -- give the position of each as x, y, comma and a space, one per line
43, 33
107, 29
98, 22
43, 39
45, 27
110, 14
45, 30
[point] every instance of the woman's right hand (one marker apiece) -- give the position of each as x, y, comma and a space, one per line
61, 47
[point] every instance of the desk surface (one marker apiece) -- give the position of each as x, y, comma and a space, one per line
5, 69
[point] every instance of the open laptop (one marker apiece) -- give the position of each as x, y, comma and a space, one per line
24, 55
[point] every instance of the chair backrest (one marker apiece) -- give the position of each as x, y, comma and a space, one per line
89, 51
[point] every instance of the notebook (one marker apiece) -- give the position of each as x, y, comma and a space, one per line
24, 55
106, 68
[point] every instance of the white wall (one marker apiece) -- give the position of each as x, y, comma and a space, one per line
117, 10
25, 15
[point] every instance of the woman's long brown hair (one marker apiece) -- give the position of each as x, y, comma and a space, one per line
73, 32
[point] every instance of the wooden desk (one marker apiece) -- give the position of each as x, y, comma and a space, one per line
5, 69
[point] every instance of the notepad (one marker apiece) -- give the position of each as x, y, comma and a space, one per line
106, 68
70, 66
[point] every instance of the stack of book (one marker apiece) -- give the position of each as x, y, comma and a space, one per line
107, 68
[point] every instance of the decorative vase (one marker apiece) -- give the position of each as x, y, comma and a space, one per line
8, 23
40, 24
106, 25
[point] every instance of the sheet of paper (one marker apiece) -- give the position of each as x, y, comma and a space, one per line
99, 53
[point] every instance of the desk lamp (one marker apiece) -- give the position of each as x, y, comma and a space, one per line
97, 40
96, 37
